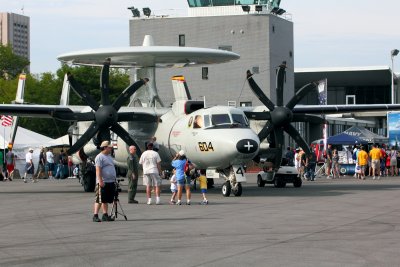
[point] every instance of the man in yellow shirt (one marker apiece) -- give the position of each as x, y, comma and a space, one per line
362, 160
375, 155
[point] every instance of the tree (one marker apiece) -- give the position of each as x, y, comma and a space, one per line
10, 64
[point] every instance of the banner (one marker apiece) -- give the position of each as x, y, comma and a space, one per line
323, 100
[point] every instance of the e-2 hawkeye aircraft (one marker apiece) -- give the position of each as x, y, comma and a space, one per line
218, 139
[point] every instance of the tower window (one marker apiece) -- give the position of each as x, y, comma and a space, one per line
181, 40
204, 73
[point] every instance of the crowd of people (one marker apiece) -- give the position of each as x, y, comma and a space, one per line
152, 178
50, 165
375, 161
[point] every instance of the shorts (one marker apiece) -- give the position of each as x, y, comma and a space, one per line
29, 168
375, 163
203, 190
50, 166
184, 181
152, 179
105, 194
10, 168
174, 190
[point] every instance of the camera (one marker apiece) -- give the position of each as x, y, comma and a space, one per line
118, 186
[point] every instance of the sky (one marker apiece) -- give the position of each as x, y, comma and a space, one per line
338, 33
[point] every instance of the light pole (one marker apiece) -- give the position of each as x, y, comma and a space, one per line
393, 53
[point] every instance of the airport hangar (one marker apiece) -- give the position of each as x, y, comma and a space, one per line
263, 40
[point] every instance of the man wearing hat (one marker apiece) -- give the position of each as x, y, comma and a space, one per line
29, 168
105, 182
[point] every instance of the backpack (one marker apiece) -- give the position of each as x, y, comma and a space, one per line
355, 156
186, 169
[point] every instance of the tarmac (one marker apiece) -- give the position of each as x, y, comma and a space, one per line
340, 222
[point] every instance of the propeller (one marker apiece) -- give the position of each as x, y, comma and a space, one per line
104, 116
279, 117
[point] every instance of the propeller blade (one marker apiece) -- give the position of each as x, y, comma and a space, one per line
268, 128
128, 92
259, 93
105, 83
124, 135
258, 116
82, 93
280, 79
90, 132
300, 94
296, 136
103, 134
86, 116
133, 116
309, 118
278, 133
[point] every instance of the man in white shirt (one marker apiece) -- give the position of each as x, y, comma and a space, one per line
151, 162
29, 168
50, 162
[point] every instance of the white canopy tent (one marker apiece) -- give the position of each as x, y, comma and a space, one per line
24, 139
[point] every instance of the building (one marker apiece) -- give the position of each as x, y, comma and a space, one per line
351, 85
15, 30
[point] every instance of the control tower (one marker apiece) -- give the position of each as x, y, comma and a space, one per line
260, 31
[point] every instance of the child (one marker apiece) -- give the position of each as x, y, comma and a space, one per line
174, 189
203, 186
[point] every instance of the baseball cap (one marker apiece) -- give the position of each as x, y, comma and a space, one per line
105, 144
30, 149
181, 153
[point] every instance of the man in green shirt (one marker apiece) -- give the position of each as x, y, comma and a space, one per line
132, 175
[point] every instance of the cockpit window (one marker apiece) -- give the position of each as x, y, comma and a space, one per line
207, 121
220, 119
198, 122
240, 119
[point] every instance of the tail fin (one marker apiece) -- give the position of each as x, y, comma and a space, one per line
181, 90
19, 97
64, 99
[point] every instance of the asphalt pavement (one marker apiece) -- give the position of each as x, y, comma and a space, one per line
340, 222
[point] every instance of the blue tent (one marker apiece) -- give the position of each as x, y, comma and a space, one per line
345, 139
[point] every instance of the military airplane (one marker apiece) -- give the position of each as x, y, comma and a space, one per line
218, 139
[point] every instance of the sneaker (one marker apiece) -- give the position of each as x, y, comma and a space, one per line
107, 218
158, 202
172, 202
379, 177
25, 181
96, 218
204, 202
188, 202
373, 178
178, 203
133, 202
149, 202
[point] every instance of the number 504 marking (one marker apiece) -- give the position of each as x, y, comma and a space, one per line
204, 147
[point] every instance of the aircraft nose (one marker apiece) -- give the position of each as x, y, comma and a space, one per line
247, 146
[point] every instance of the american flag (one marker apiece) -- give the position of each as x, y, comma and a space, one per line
6, 120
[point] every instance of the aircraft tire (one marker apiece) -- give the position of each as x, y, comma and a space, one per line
89, 181
260, 182
237, 191
226, 189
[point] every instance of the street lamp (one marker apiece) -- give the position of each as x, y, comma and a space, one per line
393, 53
